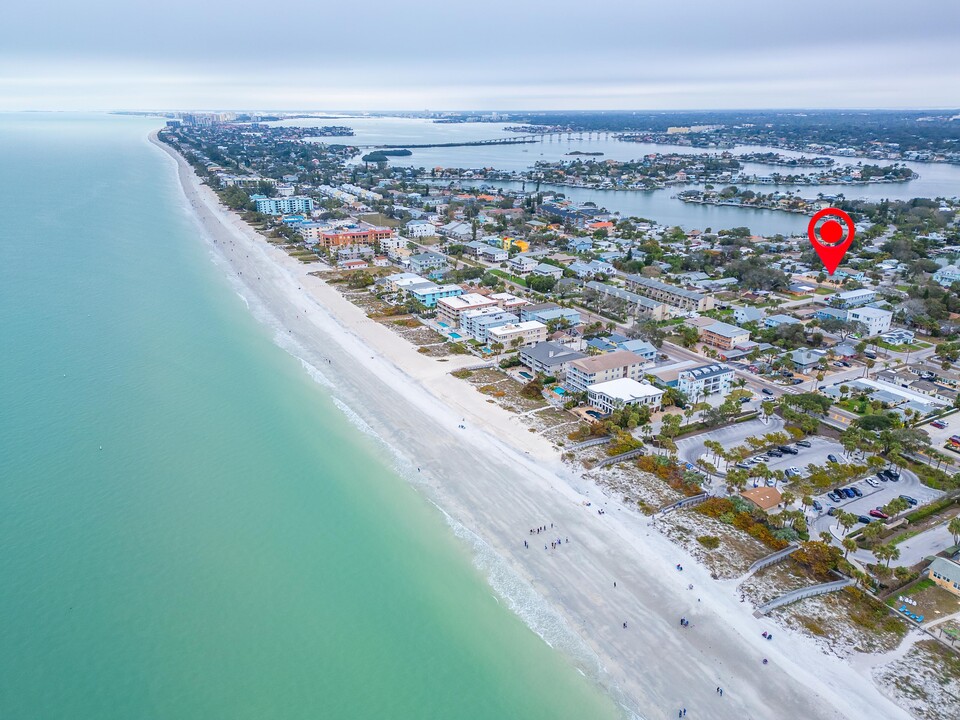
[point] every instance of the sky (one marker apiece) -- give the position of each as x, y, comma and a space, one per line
494, 54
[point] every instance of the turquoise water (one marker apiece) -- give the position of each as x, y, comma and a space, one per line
235, 549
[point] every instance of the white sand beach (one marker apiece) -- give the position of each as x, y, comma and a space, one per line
496, 480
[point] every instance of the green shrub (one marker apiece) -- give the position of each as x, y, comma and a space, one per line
711, 542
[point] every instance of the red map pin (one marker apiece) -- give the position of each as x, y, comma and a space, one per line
828, 240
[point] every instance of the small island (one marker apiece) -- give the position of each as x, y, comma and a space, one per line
384, 155
582, 152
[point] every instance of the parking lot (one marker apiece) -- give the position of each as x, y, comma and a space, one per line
908, 484
692, 449
939, 436
816, 454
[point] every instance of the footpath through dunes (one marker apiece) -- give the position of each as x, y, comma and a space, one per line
498, 481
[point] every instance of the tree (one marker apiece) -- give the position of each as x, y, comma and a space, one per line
886, 553
541, 283
849, 546
954, 527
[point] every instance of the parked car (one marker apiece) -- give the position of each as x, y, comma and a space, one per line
793, 471
743, 466
882, 478
864, 519
845, 363
872, 483
803, 443
848, 492
775, 453
878, 513
857, 491
767, 391
939, 424
787, 449
745, 400
796, 381
833, 497
889, 474
832, 511
833, 458
912, 501
817, 505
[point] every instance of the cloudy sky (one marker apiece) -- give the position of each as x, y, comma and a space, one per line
493, 54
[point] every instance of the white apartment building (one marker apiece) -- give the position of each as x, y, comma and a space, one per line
875, 320
696, 383
528, 333
615, 394
451, 309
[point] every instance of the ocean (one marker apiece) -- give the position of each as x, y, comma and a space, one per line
190, 525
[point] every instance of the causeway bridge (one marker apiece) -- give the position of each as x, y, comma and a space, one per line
509, 140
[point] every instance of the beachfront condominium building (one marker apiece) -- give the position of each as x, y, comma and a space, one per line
549, 358
696, 383
875, 320
724, 335
581, 374
478, 323
354, 235
509, 301
429, 293
282, 205
634, 304
616, 394
451, 309
518, 334
672, 295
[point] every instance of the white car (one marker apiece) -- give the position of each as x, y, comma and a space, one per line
872, 483
794, 472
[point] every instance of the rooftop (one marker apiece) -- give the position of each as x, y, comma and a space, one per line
609, 361
625, 389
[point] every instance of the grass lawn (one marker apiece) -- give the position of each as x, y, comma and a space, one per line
824, 291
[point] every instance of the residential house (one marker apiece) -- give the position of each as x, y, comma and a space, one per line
429, 263
746, 313
548, 270
615, 394
778, 320
945, 573
522, 265
947, 275
639, 347
805, 359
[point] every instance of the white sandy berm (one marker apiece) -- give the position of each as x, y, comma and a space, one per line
497, 480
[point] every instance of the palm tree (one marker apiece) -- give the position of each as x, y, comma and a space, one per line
849, 545
954, 527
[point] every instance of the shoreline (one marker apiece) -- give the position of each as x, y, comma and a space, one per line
495, 480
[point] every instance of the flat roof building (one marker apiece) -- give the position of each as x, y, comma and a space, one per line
615, 394
581, 374
669, 294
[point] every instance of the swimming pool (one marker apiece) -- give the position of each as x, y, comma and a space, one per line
442, 324
560, 391
455, 336
527, 375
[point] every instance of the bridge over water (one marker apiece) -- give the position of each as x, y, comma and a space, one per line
511, 140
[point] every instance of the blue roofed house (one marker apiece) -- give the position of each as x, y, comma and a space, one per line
745, 314
805, 358
640, 347
778, 320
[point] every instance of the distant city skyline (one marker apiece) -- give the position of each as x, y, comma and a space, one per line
107, 54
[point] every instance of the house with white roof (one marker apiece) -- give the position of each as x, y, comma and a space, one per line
616, 394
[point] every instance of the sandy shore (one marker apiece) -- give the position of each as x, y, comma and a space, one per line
495, 480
